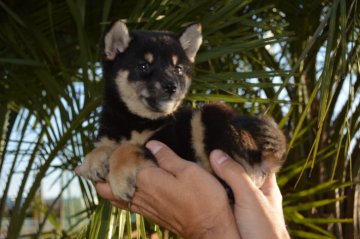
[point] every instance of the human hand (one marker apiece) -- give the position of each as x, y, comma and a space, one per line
180, 196
258, 212
177, 197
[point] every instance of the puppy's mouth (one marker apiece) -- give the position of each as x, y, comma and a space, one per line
163, 106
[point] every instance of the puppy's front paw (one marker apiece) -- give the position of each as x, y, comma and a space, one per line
124, 163
123, 184
95, 166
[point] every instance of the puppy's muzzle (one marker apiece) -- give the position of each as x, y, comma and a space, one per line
169, 87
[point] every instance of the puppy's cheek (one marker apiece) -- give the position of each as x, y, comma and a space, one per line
125, 163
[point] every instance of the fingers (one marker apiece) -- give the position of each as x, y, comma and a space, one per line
138, 205
166, 158
240, 182
271, 189
232, 173
148, 212
153, 178
104, 191
270, 185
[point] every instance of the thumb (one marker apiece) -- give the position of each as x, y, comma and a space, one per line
166, 158
232, 173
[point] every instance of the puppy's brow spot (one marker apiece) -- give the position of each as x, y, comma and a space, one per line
175, 60
149, 57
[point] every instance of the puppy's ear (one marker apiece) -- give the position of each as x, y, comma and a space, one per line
116, 40
191, 40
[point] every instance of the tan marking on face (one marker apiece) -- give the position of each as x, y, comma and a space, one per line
175, 60
168, 107
125, 163
133, 96
149, 57
197, 134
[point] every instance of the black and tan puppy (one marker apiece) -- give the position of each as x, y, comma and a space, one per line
147, 75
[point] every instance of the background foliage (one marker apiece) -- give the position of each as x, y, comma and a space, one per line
297, 61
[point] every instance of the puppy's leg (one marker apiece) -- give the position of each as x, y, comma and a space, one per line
124, 164
96, 166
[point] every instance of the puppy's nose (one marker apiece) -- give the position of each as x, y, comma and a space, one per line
169, 87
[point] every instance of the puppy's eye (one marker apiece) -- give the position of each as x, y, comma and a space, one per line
179, 69
143, 67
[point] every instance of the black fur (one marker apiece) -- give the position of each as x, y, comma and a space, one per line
157, 67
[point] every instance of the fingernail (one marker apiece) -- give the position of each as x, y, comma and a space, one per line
219, 156
154, 146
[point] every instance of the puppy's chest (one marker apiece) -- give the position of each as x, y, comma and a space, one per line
176, 131
139, 137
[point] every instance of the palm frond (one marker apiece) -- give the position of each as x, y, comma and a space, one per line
295, 60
